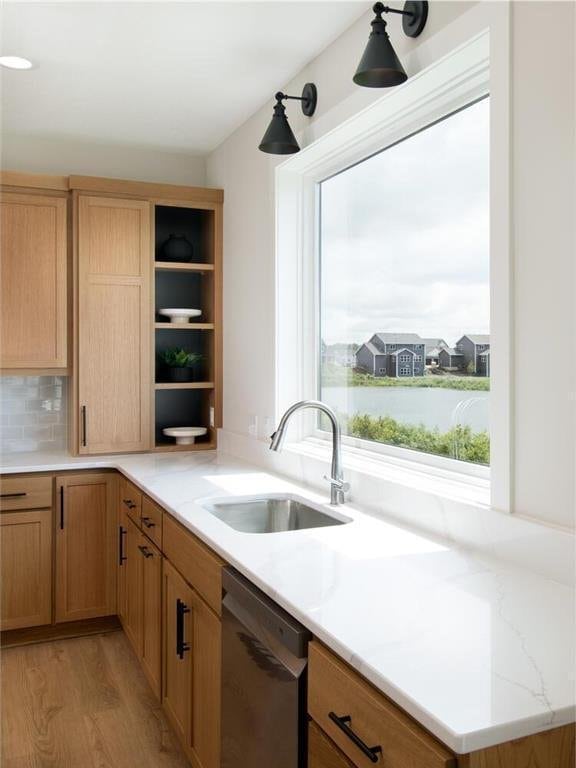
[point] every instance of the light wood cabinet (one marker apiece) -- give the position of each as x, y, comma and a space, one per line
114, 316
26, 568
33, 248
140, 597
191, 669
322, 752
85, 546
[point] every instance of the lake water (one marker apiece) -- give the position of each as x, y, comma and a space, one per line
442, 408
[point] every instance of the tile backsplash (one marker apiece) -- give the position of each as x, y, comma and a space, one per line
33, 413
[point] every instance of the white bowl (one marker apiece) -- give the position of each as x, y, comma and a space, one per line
180, 315
184, 435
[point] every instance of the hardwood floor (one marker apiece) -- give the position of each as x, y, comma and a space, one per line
82, 703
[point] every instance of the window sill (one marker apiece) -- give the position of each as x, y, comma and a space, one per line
411, 474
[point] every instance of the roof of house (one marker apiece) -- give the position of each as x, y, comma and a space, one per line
400, 338
403, 349
451, 351
434, 351
432, 344
478, 338
486, 353
371, 348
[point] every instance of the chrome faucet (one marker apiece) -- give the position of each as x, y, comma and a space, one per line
337, 485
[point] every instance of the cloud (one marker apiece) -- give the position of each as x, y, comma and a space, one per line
405, 236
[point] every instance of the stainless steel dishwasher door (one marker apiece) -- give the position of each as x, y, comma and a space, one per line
263, 680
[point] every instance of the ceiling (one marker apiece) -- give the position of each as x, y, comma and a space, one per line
165, 75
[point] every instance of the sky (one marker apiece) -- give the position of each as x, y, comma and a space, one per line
405, 236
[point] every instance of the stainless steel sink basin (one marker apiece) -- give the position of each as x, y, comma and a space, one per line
272, 514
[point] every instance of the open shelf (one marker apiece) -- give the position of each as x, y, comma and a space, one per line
184, 385
194, 285
174, 266
185, 326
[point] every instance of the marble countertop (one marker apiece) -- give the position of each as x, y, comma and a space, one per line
478, 652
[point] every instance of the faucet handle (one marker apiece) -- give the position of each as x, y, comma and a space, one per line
342, 485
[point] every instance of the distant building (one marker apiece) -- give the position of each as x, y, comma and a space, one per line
392, 354
471, 347
450, 359
433, 347
343, 355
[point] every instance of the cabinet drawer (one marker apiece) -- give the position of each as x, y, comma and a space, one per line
201, 568
131, 500
25, 492
352, 714
151, 520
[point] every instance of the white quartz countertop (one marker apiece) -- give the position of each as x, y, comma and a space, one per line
478, 652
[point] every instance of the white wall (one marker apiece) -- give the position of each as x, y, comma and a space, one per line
543, 203
65, 156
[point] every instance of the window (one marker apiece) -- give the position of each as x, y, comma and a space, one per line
418, 358
404, 253
381, 370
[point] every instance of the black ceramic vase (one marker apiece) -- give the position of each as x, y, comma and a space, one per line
181, 374
177, 248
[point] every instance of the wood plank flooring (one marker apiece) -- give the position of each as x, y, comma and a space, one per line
82, 703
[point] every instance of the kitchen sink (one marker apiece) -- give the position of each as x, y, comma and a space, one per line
272, 514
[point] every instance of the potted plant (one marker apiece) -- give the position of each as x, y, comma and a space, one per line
179, 363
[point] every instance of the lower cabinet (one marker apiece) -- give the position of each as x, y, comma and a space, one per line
26, 568
191, 668
322, 752
139, 597
85, 570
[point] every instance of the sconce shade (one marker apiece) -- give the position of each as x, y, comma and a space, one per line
379, 66
279, 139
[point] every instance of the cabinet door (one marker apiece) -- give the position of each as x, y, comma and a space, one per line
114, 325
177, 599
33, 281
151, 612
206, 671
122, 560
132, 622
26, 568
322, 752
86, 546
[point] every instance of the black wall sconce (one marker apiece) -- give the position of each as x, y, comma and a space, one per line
279, 139
379, 66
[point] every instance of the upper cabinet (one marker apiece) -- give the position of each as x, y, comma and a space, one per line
114, 312
33, 281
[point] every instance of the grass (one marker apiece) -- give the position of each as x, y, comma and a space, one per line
457, 443
335, 376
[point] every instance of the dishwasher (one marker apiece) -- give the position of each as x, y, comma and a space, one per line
264, 661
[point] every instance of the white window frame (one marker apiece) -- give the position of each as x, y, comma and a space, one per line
448, 84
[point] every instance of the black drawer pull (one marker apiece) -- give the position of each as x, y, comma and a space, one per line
121, 556
18, 495
145, 551
84, 427
147, 522
129, 503
181, 645
372, 753
61, 507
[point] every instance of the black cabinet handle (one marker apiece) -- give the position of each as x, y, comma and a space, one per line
121, 556
145, 551
83, 418
147, 522
372, 753
128, 503
61, 507
18, 495
181, 645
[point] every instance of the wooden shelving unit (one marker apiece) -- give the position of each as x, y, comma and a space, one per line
197, 285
